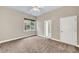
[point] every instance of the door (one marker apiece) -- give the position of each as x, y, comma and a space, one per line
68, 29
47, 28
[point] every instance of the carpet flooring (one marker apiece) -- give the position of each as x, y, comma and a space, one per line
36, 44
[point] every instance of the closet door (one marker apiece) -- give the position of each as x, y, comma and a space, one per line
68, 29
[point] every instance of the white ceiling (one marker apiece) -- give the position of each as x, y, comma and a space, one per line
27, 9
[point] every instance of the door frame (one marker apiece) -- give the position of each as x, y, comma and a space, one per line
49, 30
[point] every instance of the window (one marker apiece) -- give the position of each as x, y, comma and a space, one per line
29, 25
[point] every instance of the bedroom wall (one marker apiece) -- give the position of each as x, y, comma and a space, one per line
12, 24
55, 16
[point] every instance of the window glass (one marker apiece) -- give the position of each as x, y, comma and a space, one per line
29, 25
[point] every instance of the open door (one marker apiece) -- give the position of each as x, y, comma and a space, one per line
47, 28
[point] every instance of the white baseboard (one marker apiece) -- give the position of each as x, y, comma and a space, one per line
10, 39
60, 41
64, 42
15, 39
41, 35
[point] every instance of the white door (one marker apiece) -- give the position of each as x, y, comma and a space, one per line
47, 28
68, 29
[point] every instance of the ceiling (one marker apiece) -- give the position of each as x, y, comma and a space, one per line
27, 9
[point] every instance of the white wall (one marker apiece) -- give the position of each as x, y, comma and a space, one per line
12, 24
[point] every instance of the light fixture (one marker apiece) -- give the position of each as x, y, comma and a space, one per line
36, 8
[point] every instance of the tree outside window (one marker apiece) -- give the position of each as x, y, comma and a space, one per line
29, 25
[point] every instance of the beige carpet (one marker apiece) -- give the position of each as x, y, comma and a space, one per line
36, 44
